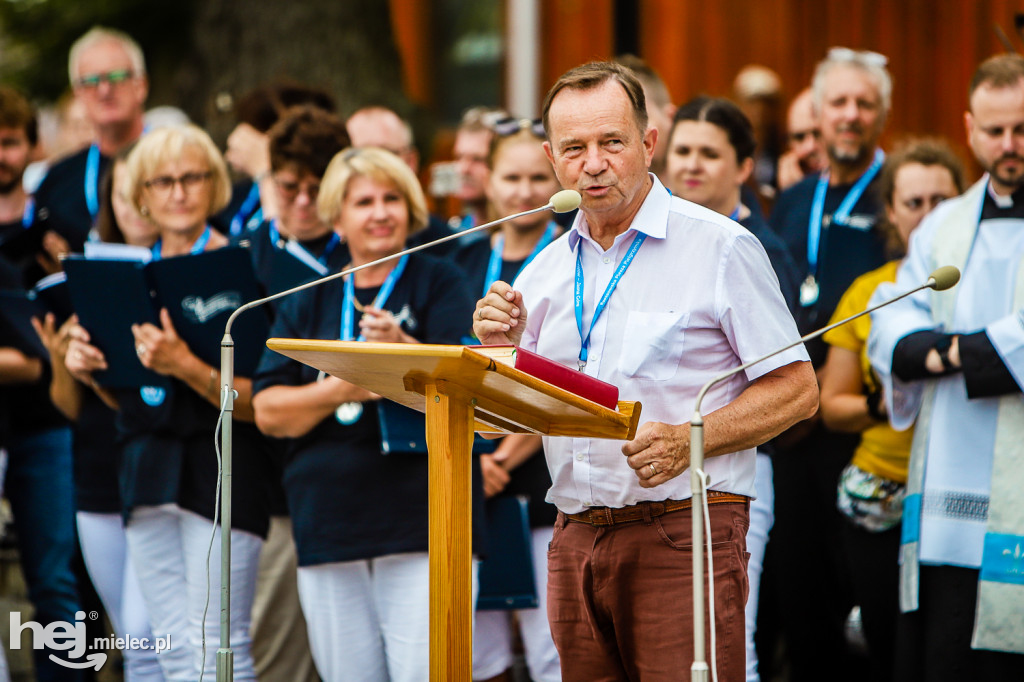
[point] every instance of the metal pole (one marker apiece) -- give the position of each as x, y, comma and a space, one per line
225, 656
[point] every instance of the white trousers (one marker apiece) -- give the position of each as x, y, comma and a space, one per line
369, 620
492, 636
105, 552
762, 518
169, 546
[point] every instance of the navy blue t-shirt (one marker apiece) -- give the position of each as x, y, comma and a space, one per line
778, 254
531, 478
60, 200
349, 501
845, 251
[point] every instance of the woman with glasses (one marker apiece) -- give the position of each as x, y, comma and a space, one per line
293, 247
710, 156
360, 516
871, 488
177, 179
302, 143
520, 178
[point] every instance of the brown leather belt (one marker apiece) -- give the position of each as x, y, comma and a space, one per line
608, 516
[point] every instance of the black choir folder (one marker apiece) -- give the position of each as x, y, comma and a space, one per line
17, 308
199, 291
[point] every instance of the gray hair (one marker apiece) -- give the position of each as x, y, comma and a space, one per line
101, 34
869, 62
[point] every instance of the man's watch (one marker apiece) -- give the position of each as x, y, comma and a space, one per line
942, 347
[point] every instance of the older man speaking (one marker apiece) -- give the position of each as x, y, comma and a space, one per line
657, 296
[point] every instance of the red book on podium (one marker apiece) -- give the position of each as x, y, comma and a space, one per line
555, 373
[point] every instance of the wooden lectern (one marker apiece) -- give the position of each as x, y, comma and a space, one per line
462, 391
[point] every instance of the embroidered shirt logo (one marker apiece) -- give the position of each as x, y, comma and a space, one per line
404, 318
1017, 555
196, 309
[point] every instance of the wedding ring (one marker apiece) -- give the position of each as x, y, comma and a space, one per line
654, 471
480, 314
140, 350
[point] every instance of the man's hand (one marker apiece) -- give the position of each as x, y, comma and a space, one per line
665, 446
500, 316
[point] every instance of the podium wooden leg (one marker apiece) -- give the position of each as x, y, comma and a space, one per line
450, 440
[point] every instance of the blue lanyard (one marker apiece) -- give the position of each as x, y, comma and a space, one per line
329, 247
494, 265
198, 247
252, 201
735, 215
578, 292
348, 305
92, 179
29, 214
842, 214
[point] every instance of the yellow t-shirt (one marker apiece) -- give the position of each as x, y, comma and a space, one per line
882, 451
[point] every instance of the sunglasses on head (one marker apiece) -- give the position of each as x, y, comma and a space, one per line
511, 126
845, 54
93, 80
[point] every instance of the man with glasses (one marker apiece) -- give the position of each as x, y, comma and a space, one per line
827, 222
108, 74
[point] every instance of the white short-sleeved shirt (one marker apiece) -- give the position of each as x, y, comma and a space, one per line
699, 298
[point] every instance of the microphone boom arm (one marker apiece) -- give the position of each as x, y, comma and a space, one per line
560, 202
940, 279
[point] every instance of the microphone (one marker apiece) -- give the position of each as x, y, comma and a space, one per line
560, 202
943, 278
940, 279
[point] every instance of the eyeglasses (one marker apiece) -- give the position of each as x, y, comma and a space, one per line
290, 190
511, 126
93, 80
865, 57
190, 182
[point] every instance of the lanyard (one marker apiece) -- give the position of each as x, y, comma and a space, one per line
252, 201
578, 292
198, 247
494, 265
842, 213
295, 247
735, 215
29, 214
92, 179
348, 305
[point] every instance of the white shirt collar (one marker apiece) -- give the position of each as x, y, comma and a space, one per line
1000, 200
651, 219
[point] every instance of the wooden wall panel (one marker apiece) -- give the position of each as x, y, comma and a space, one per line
933, 47
411, 24
573, 32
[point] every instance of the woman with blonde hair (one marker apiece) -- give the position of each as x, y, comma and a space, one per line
177, 180
359, 515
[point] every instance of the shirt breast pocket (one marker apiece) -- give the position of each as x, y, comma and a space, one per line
652, 345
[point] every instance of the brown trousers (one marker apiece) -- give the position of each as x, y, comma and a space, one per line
620, 598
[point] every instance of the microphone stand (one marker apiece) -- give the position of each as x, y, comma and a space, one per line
940, 280
225, 655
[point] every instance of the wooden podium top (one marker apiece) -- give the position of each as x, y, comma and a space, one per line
505, 400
